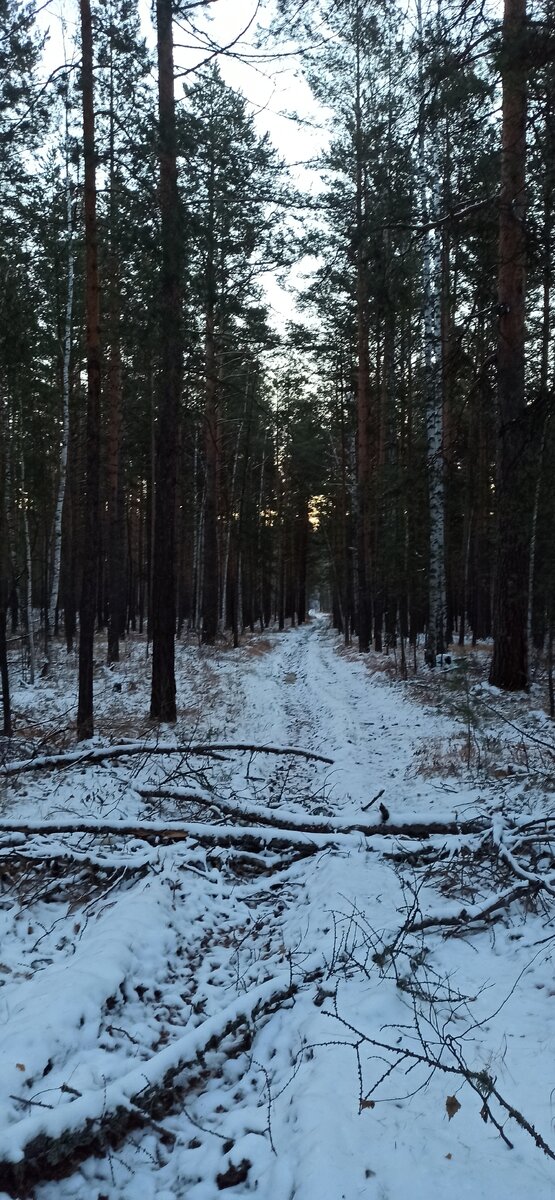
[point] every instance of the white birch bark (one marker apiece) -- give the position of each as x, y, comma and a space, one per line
57, 533
239, 593
259, 534
227, 542
9, 499
29, 573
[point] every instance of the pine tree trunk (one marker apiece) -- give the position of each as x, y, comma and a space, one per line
85, 719
115, 541
550, 664
229, 525
509, 668
115, 515
163, 703
364, 617
429, 182
544, 395
7, 728
210, 587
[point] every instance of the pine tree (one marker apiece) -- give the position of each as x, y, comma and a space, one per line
87, 607
509, 668
22, 120
163, 698
233, 198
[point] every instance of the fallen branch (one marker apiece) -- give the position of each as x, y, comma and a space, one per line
301, 821
75, 758
50, 1144
473, 914
248, 836
298, 832
480, 1081
530, 876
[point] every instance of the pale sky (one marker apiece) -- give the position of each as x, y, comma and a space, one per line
273, 90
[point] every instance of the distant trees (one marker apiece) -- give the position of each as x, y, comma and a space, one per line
22, 122
232, 195
422, 340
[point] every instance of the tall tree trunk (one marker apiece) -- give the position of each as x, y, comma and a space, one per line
115, 540
211, 573
364, 616
62, 477
115, 499
544, 394
162, 702
509, 667
230, 521
28, 572
7, 728
211, 564
85, 720
430, 195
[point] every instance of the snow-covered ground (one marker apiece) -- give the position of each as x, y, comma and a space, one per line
126, 956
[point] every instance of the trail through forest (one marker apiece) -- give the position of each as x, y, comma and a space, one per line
222, 972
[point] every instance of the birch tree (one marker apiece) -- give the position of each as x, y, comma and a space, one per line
66, 362
429, 182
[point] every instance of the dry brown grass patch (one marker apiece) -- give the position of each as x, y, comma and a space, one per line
258, 647
440, 756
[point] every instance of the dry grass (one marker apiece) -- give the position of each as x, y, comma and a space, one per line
442, 757
257, 647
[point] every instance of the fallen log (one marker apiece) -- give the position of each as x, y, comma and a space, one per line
304, 834
252, 837
75, 758
309, 824
51, 1143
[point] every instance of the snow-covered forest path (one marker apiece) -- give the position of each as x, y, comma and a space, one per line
308, 694
237, 993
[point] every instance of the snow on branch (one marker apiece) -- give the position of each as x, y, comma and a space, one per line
49, 1143
306, 832
73, 758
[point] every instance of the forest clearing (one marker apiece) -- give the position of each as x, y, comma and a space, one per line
318, 970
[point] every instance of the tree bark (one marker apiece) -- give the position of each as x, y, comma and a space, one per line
364, 615
211, 571
7, 727
430, 203
28, 573
58, 515
85, 719
115, 499
163, 703
509, 668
